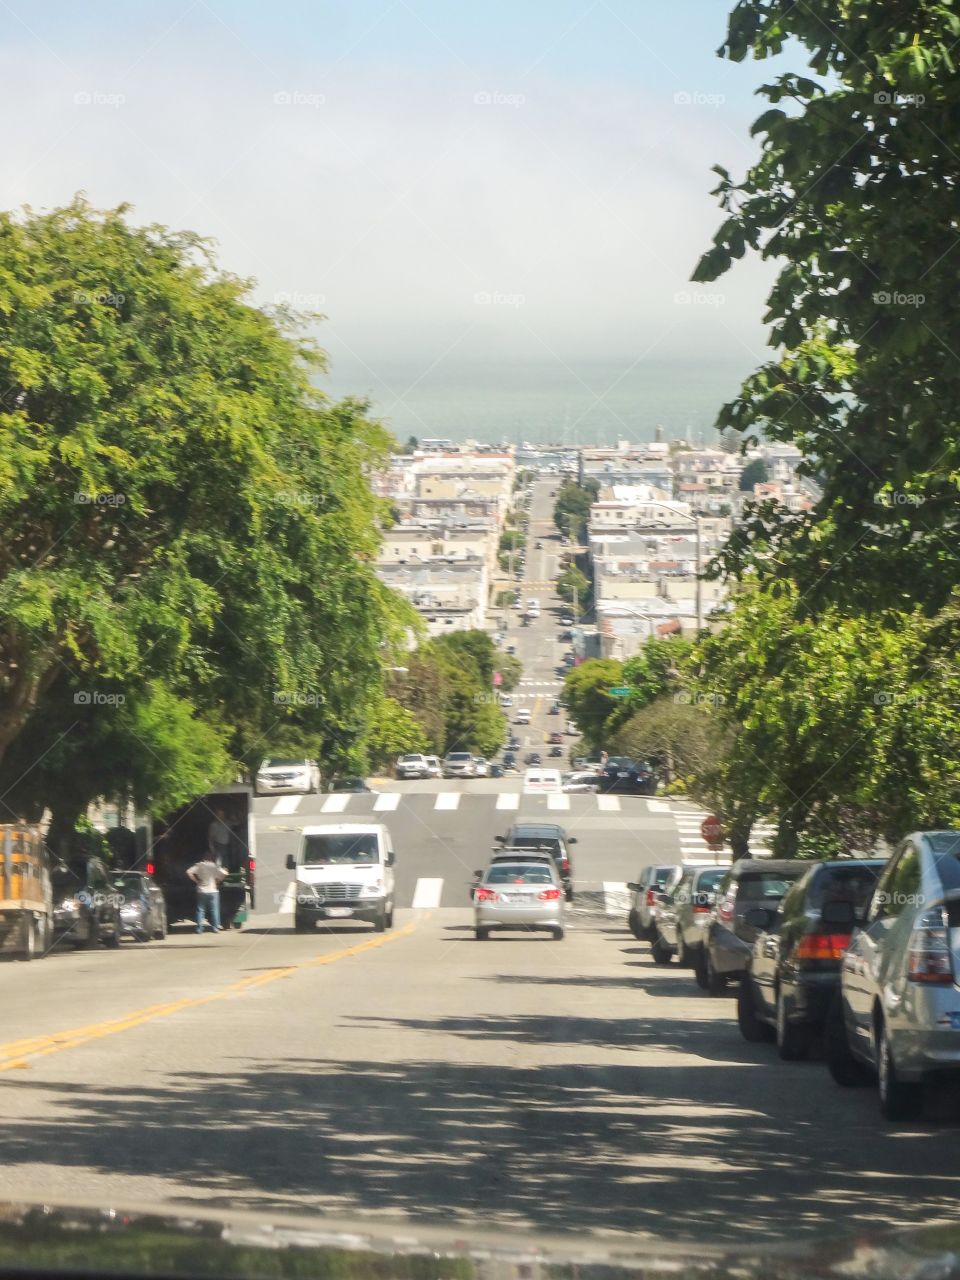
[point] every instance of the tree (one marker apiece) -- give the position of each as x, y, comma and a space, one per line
448, 687
754, 472
854, 192
572, 508
394, 730
512, 540
573, 585
684, 739
180, 509
587, 698
511, 669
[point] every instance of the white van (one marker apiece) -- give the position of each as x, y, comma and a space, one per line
523, 715
344, 872
539, 781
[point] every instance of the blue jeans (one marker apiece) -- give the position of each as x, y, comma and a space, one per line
208, 904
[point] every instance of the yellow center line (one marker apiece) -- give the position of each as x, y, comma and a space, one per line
14, 1055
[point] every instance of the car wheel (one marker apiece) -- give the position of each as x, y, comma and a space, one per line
380, 922
898, 1099
660, 951
635, 927
390, 917
845, 1069
683, 957
700, 968
792, 1040
751, 1027
301, 924
29, 948
481, 934
558, 935
161, 931
112, 940
716, 982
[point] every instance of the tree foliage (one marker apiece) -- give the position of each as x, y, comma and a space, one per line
755, 472
572, 508
855, 194
573, 585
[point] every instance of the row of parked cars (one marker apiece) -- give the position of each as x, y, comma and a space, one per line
856, 958
455, 764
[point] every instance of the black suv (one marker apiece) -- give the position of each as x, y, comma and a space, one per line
632, 777
548, 837
86, 904
750, 883
794, 970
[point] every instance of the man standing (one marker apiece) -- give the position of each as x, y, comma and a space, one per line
206, 875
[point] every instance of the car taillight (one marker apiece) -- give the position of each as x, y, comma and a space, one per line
823, 946
699, 911
251, 867
651, 897
549, 895
150, 868
486, 895
565, 865
928, 953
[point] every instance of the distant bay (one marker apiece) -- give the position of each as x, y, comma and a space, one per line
587, 403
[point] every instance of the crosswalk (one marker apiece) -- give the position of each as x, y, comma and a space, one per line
688, 819
606, 898
450, 801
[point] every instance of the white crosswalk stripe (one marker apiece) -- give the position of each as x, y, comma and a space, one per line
508, 800
558, 801
287, 804
427, 893
387, 801
608, 804
336, 803
692, 844
448, 800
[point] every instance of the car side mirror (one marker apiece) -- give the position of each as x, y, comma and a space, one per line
759, 917
633, 886
500, 839
840, 914
571, 840
391, 858
291, 862
665, 899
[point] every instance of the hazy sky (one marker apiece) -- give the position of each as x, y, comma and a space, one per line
445, 180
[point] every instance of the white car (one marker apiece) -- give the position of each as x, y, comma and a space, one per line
459, 764
506, 700
523, 715
481, 767
415, 765
542, 781
283, 777
580, 781
433, 764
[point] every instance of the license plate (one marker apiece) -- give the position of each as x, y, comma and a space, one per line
339, 912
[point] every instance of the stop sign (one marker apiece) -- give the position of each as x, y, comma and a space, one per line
711, 830
497, 678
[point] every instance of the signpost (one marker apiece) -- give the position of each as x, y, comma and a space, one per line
621, 691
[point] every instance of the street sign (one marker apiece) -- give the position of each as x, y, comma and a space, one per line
711, 830
621, 691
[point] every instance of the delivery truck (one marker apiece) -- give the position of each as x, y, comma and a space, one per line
26, 892
184, 837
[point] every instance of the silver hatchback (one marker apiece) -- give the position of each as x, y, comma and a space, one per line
898, 1012
519, 895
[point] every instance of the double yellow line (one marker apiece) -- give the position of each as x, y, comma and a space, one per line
18, 1053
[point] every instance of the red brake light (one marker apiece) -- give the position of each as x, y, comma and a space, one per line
486, 895
700, 910
549, 895
651, 897
929, 950
150, 868
823, 946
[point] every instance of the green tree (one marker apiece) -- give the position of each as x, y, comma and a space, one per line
394, 730
587, 698
854, 194
683, 739
572, 508
511, 669
572, 584
754, 472
179, 507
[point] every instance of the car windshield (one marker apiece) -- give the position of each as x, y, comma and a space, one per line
132, 887
323, 850
284, 764
519, 873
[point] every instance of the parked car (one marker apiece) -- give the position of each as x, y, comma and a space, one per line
414, 765
730, 936
86, 906
481, 767
794, 971
459, 764
143, 911
554, 708
625, 775
519, 895
653, 879
898, 1012
509, 760
506, 700
356, 785
496, 770
279, 777
555, 738
684, 912
545, 837
434, 765
579, 782
593, 763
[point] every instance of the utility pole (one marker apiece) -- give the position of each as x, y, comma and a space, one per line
699, 586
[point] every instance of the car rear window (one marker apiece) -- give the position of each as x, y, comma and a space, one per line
707, 881
520, 873
756, 886
854, 884
662, 875
946, 850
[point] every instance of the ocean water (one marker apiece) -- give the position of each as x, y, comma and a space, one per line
591, 403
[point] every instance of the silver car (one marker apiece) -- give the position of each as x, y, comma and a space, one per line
519, 895
683, 914
898, 1012
651, 882
459, 764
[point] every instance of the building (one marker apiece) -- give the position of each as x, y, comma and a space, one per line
449, 595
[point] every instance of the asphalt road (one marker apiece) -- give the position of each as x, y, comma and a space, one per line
416, 1078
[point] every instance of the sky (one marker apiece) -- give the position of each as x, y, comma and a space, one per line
444, 181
